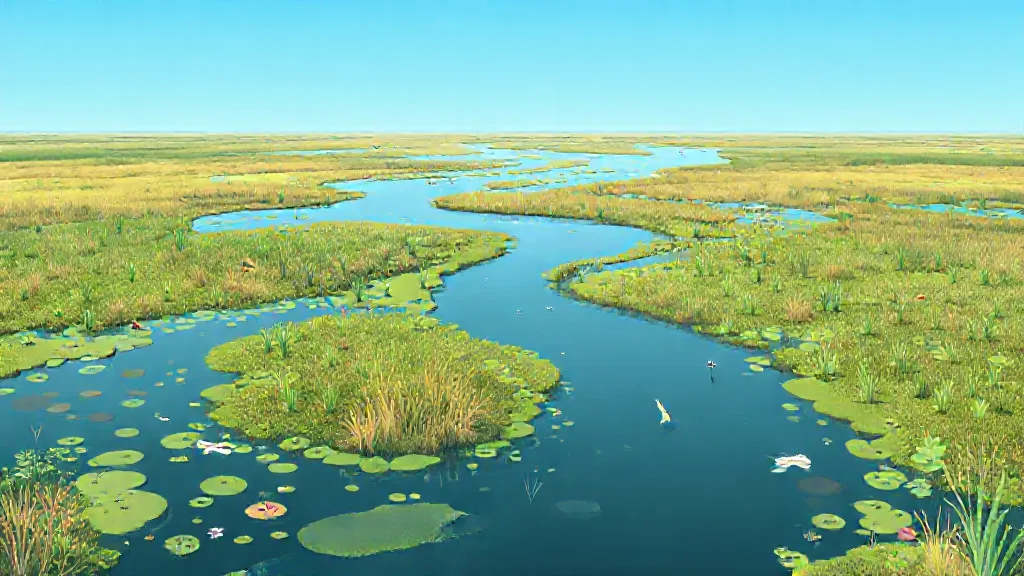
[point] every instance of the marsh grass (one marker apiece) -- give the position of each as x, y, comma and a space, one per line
399, 384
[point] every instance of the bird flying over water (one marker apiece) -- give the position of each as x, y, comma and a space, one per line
665, 417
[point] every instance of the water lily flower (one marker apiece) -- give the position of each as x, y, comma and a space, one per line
800, 461
216, 533
218, 447
906, 534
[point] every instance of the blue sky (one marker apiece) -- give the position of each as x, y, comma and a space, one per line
511, 65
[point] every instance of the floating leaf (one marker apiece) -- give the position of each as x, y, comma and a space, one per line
756, 368
116, 458
133, 403
413, 462
243, 539
90, 393
268, 457
886, 521
285, 489
828, 522
91, 369
265, 510
109, 482
885, 480
125, 511
867, 450
37, 377
200, 502
133, 373
384, 528
375, 465
790, 407
180, 441
278, 535
71, 441
6, 391
197, 426
282, 467
397, 497
342, 459
317, 453
294, 443
517, 430
871, 506
352, 488
126, 432
223, 486
182, 545
59, 408
100, 417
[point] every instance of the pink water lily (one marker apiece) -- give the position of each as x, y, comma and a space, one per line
216, 532
218, 447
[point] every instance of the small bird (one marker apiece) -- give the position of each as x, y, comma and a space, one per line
711, 364
665, 416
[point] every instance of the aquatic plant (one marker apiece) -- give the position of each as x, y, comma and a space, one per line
868, 384
532, 487
929, 455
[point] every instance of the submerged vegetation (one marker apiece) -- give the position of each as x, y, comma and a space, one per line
376, 384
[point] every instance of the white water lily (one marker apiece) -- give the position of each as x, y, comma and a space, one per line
218, 447
800, 461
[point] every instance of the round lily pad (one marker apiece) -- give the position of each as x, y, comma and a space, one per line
223, 486
342, 459
385, 528
133, 402
375, 465
125, 511
485, 452
413, 462
317, 453
285, 489
268, 457
871, 506
279, 535
90, 393
126, 432
197, 426
133, 373
91, 369
885, 480
182, 545
397, 497
58, 408
243, 449
116, 458
515, 456
100, 417
6, 391
197, 520
70, 441
282, 467
886, 521
517, 430
790, 558
37, 377
790, 407
109, 482
352, 488
201, 502
867, 450
180, 440
243, 539
294, 443
828, 522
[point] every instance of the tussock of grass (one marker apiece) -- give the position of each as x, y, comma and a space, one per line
393, 384
877, 560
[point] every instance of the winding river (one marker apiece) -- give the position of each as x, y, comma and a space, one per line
696, 500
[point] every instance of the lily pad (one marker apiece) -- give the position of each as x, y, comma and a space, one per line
788, 406
791, 559
385, 528
59, 408
352, 488
294, 443
317, 453
397, 497
37, 377
282, 467
90, 393
91, 369
375, 465
886, 521
342, 459
517, 430
871, 506
133, 402
6, 391
126, 432
268, 457
285, 489
867, 450
265, 510
223, 486
201, 502
98, 417
71, 441
885, 479
243, 539
278, 535
218, 393
180, 440
828, 522
109, 482
413, 462
124, 512
116, 458
197, 426
182, 545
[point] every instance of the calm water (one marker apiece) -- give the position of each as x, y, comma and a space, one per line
696, 500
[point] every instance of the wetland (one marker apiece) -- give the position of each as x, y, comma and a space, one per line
410, 354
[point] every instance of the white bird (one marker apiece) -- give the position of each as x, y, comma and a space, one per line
665, 417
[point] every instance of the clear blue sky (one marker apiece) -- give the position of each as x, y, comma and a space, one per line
511, 65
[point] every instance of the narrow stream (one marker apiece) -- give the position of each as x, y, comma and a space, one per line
697, 500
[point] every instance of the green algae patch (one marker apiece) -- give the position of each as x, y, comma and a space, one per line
124, 512
109, 482
223, 486
436, 386
413, 462
383, 529
116, 458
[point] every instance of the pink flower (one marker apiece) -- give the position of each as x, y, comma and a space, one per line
906, 535
216, 532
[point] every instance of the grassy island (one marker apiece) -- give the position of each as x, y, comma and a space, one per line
392, 385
